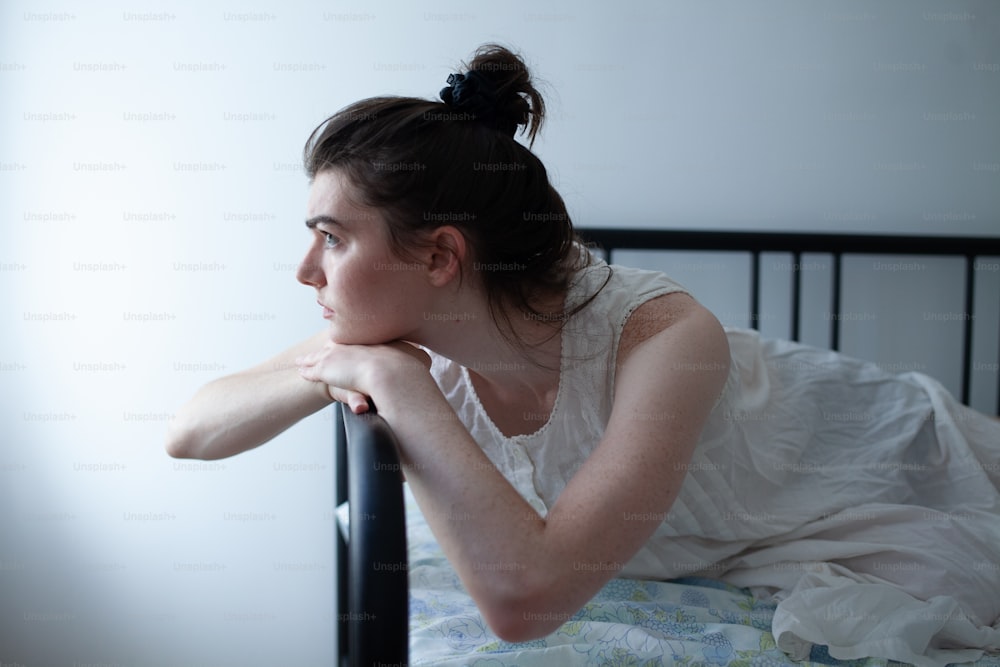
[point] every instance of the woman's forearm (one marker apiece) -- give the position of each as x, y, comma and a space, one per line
239, 412
494, 538
517, 566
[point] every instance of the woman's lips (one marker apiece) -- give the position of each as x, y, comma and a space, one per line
327, 313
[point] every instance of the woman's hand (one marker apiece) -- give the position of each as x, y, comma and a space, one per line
352, 372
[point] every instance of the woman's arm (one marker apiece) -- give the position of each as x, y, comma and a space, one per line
528, 575
238, 412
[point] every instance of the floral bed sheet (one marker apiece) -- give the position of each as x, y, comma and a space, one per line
692, 622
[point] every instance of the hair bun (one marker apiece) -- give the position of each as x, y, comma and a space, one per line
497, 90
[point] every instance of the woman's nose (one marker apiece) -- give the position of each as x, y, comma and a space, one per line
309, 271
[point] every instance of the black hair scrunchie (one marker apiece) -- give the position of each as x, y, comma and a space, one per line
475, 94
471, 91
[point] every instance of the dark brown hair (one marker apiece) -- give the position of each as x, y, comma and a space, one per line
425, 164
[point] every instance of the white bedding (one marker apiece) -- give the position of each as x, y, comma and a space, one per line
874, 518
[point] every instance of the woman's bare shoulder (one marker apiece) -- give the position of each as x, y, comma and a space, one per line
662, 313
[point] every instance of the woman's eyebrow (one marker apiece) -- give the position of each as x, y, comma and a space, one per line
324, 220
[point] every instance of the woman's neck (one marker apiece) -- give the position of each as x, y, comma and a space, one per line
519, 353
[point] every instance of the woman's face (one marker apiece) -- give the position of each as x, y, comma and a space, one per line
368, 294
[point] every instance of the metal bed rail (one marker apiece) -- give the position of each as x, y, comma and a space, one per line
372, 565
837, 245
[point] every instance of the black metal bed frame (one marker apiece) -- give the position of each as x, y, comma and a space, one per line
373, 592
372, 588
835, 245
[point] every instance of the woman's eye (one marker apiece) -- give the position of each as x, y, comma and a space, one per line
330, 240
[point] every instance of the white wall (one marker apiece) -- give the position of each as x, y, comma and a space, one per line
152, 202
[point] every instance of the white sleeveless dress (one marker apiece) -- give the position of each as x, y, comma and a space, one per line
866, 502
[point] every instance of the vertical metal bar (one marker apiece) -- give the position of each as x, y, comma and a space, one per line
970, 284
835, 306
796, 293
755, 290
378, 593
340, 494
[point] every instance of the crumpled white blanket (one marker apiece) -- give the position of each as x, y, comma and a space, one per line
900, 559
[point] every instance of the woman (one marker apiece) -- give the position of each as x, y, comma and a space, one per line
563, 422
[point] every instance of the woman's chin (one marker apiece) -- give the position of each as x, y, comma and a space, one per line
347, 337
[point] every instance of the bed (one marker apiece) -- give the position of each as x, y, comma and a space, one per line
400, 602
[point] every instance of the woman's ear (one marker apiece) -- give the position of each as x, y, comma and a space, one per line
447, 250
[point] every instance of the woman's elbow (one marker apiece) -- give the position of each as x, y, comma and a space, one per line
184, 441
516, 626
526, 617
179, 443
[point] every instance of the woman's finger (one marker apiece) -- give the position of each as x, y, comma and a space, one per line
309, 372
355, 401
358, 403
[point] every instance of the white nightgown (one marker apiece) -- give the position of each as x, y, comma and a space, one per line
865, 501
